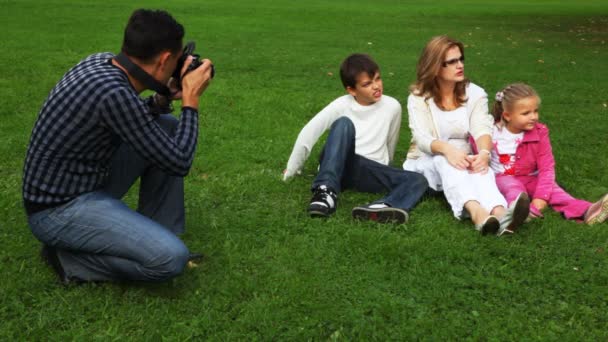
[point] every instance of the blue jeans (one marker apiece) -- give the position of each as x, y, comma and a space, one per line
99, 238
341, 168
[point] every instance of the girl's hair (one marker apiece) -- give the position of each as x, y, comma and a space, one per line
506, 98
430, 63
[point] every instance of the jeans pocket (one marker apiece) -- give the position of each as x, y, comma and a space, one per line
43, 226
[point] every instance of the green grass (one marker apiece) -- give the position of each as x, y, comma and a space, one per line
274, 274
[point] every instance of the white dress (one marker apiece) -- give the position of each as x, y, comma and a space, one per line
459, 186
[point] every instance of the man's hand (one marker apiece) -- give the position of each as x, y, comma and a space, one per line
176, 92
195, 82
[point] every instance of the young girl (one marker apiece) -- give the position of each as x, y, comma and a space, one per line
522, 159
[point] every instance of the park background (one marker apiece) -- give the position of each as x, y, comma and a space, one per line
272, 273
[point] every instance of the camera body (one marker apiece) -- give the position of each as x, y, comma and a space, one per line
196, 62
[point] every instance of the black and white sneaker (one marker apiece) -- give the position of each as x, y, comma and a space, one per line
323, 202
380, 213
490, 225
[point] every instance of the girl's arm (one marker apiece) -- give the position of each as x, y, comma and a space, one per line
546, 166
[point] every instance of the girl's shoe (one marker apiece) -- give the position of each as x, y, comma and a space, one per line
516, 215
489, 226
597, 212
532, 217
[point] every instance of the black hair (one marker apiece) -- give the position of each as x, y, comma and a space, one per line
354, 65
150, 32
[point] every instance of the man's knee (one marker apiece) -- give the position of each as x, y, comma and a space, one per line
170, 262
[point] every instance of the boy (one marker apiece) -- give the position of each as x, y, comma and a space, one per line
364, 129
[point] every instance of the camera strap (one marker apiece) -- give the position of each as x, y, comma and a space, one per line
142, 76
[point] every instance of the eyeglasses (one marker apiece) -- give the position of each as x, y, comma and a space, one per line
453, 61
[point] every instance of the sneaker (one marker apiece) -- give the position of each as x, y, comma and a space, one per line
516, 215
194, 259
489, 226
597, 212
381, 213
532, 217
49, 255
323, 202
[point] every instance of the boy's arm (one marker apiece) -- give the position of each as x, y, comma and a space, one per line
546, 167
393, 132
308, 138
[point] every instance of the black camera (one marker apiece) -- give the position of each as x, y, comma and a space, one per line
196, 62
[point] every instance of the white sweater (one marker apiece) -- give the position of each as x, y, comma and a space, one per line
377, 129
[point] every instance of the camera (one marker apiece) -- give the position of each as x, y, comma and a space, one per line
196, 62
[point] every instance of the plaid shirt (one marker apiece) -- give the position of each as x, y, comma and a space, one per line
81, 124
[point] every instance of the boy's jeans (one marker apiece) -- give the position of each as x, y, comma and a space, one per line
98, 238
341, 169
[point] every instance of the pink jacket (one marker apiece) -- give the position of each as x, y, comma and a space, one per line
534, 158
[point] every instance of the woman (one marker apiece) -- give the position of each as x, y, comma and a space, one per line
446, 112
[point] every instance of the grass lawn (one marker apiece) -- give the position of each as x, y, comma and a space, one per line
271, 272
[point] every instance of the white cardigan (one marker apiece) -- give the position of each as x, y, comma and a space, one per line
422, 120
423, 124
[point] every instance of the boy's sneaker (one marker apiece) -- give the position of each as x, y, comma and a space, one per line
323, 202
381, 213
516, 215
597, 212
489, 226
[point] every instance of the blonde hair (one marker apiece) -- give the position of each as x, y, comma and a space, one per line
429, 65
506, 98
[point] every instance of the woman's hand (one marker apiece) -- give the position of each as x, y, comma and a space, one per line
456, 157
479, 163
